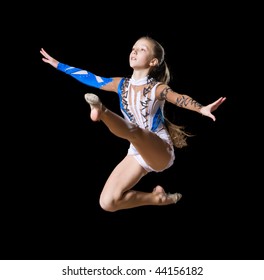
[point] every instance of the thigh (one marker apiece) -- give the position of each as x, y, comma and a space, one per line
125, 176
156, 152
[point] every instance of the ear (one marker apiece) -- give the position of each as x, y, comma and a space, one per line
154, 62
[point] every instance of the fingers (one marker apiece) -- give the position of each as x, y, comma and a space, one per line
218, 102
221, 100
44, 53
47, 58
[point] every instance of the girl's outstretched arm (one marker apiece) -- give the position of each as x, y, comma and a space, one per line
186, 102
83, 76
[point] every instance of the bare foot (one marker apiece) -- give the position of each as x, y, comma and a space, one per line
159, 191
95, 114
96, 106
165, 198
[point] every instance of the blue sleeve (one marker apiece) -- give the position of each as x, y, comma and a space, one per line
84, 76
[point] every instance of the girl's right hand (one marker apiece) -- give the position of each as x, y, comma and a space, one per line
48, 59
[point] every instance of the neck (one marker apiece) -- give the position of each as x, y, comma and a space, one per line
139, 82
140, 74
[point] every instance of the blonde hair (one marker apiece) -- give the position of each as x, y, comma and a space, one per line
177, 133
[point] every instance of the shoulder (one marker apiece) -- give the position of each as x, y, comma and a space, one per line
161, 87
113, 85
161, 90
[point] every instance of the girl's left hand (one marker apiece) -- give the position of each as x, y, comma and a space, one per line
206, 110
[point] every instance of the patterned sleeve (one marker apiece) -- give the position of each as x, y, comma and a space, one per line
84, 76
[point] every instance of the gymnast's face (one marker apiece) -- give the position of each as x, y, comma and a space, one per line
141, 56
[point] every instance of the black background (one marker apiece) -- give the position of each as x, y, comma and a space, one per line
56, 160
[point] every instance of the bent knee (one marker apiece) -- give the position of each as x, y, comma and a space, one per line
108, 204
109, 207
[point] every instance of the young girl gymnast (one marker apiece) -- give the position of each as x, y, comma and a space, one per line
151, 135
